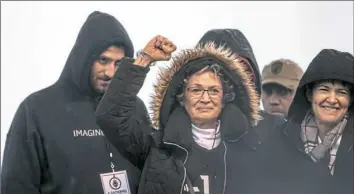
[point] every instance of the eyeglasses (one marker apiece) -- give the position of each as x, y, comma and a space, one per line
197, 92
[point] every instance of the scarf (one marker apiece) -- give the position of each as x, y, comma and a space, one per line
316, 148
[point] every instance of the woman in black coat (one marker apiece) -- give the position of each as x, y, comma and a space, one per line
204, 106
312, 153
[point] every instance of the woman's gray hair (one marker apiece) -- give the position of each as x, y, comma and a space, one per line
228, 89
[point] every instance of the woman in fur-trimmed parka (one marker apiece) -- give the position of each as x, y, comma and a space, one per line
204, 106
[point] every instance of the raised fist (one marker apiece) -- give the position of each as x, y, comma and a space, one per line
159, 49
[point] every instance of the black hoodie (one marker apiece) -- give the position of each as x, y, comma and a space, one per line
54, 144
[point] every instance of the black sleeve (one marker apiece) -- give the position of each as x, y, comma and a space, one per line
123, 117
23, 155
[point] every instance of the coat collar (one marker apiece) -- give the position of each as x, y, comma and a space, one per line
292, 129
234, 127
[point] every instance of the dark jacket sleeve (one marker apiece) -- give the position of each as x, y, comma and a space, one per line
23, 155
123, 117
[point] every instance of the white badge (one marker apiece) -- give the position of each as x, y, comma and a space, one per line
115, 182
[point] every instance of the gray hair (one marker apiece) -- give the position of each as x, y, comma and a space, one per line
228, 89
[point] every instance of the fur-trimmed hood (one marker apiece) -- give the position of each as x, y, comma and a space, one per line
169, 80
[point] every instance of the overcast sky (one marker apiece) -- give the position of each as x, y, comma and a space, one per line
36, 37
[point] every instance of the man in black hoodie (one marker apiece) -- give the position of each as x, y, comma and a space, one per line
54, 144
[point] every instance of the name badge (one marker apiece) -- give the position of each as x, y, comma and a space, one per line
115, 182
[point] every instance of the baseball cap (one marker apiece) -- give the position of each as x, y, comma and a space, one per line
284, 72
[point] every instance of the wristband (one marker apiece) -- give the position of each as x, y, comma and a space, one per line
145, 54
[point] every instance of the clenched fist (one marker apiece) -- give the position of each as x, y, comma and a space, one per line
157, 49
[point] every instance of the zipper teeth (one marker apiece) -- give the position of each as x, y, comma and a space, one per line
225, 167
185, 160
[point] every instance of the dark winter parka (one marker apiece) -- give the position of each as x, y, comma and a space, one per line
165, 150
290, 169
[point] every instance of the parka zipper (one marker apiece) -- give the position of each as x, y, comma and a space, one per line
185, 160
225, 163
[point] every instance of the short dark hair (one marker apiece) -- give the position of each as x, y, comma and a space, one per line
97, 53
312, 85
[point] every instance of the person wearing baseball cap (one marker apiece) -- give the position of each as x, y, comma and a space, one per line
280, 79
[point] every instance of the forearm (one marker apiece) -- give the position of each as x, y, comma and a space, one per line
119, 111
125, 85
142, 60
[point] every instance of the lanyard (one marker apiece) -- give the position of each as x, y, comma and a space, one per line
109, 150
110, 153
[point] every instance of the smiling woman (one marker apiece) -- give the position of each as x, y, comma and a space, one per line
330, 100
314, 148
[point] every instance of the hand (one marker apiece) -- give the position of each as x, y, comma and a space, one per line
157, 49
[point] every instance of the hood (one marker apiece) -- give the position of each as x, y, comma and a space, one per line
189, 61
238, 43
99, 31
328, 64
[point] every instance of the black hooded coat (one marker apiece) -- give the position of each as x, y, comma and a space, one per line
289, 170
54, 144
167, 148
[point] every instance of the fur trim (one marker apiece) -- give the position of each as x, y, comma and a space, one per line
223, 54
